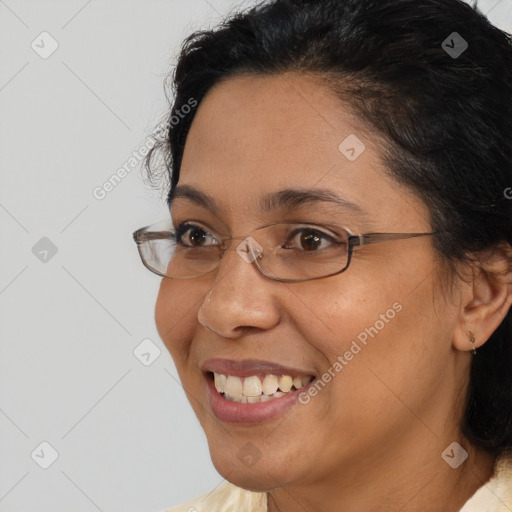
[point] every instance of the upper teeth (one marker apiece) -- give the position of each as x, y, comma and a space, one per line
252, 386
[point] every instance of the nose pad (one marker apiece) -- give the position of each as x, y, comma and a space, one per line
249, 249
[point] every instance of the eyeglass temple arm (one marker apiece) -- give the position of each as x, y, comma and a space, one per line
375, 238
141, 236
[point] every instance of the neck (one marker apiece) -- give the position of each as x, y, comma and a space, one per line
423, 483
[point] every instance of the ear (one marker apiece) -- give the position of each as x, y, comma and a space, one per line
486, 297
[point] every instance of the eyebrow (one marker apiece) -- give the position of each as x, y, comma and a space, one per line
286, 199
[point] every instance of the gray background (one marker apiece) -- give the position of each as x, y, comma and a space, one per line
126, 438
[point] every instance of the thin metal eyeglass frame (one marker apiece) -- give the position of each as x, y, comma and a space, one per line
145, 234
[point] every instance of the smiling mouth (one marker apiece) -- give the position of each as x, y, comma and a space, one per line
257, 388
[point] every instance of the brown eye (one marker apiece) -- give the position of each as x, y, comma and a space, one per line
191, 235
310, 240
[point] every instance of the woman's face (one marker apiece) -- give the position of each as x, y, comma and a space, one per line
383, 319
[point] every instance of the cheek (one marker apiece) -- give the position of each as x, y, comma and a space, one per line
377, 325
335, 315
175, 312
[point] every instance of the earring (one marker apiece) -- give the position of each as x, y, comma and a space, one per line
471, 337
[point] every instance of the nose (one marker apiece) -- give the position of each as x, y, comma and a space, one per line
241, 297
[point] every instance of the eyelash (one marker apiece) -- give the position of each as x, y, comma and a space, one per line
187, 226
183, 228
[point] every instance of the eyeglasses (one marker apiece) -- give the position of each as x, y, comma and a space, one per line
285, 251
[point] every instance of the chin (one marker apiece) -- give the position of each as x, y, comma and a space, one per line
260, 477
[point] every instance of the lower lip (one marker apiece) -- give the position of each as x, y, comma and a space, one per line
235, 412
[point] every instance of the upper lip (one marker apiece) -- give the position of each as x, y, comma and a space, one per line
248, 367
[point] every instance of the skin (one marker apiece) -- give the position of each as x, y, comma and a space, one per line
372, 439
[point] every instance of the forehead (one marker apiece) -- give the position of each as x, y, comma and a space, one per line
256, 119
253, 135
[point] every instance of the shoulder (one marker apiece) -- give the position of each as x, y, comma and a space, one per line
227, 498
496, 494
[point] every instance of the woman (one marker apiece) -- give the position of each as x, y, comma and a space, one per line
338, 271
